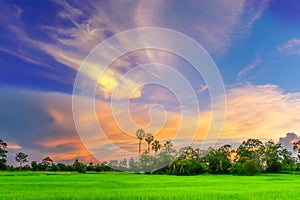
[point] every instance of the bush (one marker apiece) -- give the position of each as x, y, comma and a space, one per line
245, 166
187, 167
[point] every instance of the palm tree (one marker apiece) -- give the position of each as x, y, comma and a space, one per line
149, 139
140, 134
156, 146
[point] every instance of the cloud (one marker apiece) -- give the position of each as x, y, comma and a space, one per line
215, 24
256, 10
13, 146
25, 58
81, 28
48, 132
249, 67
292, 47
253, 111
288, 140
262, 111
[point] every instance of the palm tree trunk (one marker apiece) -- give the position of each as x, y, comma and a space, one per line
148, 147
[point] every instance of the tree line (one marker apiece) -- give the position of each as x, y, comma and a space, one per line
251, 157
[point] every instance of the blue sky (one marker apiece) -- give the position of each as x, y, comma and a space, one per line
255, 45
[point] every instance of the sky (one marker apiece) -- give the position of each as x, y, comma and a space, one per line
255, 46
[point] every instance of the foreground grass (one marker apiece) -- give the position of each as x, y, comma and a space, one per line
38, 185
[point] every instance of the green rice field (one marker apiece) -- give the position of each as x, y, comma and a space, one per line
42, 185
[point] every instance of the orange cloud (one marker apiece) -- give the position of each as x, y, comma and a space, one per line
13, 146
263, 111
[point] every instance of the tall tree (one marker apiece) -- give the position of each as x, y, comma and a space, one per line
34, 166
78, 166
21, 158
252, 148
297, 147
47, 163
3, 151
156, 146
149, 138
249, 157
140, 134
219, 160
272, 157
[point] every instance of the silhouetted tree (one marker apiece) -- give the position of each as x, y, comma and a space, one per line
156, 146
34, 166
47, 163
21, 158
140, 133
149, 138
64, 167
186, 166
3, 151
90, 167
79, 167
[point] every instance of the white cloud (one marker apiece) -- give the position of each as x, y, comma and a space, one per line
288, 142
292, 47
215, 24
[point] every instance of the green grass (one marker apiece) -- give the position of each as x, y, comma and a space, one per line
39, 185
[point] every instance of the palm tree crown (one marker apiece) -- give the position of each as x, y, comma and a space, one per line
149, 139
156, 146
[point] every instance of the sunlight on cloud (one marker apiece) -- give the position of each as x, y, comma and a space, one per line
263, 111
13, 146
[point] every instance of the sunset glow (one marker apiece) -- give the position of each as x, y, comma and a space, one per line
254, 44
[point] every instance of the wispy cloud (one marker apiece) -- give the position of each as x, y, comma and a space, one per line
83, 27
249, 67
215, 24
257, 9
263, 111
291, 47
25, 57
